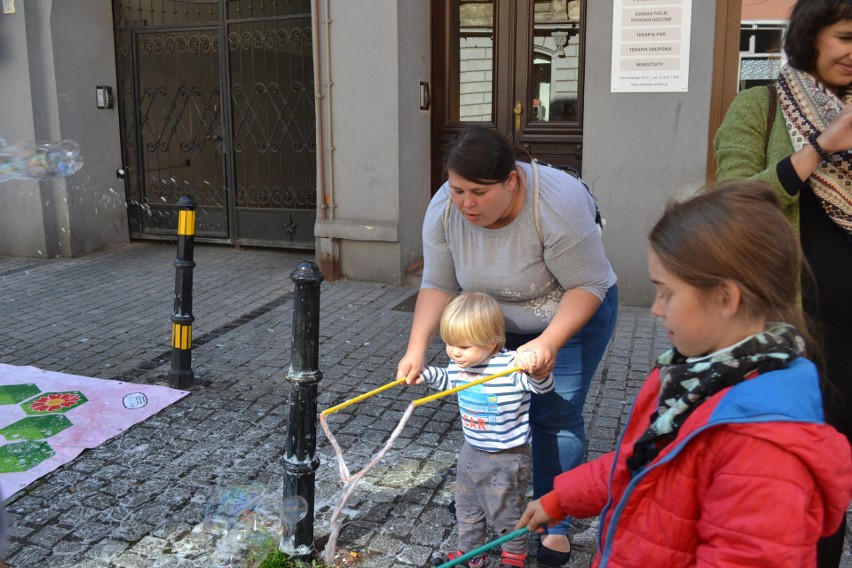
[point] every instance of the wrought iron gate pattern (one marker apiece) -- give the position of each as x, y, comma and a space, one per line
181, 121
271, 138
247, 159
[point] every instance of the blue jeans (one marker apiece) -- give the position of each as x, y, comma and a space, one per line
558, 428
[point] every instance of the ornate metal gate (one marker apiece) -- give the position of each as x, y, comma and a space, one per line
216, 99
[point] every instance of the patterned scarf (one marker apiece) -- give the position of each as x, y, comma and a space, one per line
685, 383
809, 107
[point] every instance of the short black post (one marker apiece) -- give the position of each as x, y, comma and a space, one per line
181, 375
300, 460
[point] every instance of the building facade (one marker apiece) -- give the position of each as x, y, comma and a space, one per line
319, 125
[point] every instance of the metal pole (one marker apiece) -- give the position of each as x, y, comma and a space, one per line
181, 375
300, 460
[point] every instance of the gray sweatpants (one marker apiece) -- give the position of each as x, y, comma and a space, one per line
491, 488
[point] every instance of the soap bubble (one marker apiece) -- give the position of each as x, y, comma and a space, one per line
224, 511
242, 521
39, 160
294, 509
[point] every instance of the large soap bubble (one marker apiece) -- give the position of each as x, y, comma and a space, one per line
243, 522
39, 160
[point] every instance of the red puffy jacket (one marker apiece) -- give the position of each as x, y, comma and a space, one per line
754, 478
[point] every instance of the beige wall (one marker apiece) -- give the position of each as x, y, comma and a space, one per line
641, 149
21, 215
52, 55
373, 141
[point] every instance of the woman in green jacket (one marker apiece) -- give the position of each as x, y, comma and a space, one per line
797, 135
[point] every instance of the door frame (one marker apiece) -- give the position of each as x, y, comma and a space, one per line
726, 51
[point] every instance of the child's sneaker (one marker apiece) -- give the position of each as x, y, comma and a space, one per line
509, 559
477, 562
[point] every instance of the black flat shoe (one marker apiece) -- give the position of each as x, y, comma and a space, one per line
549, 558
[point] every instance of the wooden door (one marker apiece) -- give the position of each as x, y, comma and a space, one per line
514, 65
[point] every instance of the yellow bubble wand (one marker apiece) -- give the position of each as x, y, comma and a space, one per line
350, 481
361, 397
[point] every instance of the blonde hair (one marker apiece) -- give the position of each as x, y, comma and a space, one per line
473, 318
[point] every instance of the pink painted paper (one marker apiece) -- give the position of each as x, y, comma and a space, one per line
104, 415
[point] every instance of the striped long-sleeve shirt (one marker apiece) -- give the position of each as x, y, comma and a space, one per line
495, 414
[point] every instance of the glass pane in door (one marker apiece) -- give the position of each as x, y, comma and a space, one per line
472, 61
555, 65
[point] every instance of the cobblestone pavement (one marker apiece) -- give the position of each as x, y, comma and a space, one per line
139, 499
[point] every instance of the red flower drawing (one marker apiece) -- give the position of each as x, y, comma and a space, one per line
54, 401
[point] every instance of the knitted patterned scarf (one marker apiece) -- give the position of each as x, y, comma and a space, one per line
685, 383
809, 107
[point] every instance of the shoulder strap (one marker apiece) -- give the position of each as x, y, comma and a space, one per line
447, 212
536, 215
770, 116
572, 171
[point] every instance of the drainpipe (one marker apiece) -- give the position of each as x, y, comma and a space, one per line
329, 248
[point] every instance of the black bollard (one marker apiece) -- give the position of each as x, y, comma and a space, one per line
300, 460
181, 375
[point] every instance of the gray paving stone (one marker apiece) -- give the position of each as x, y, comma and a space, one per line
48, 536
17, 530
92, 531
414, 555
131, 560
29, 556
132, 531
67, 552
140, 498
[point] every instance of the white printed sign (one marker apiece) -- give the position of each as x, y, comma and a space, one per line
650, 45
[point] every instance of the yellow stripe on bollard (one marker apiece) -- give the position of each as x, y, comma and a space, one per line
186, 222
181, 336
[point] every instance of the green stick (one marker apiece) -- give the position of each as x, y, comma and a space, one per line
484, 548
